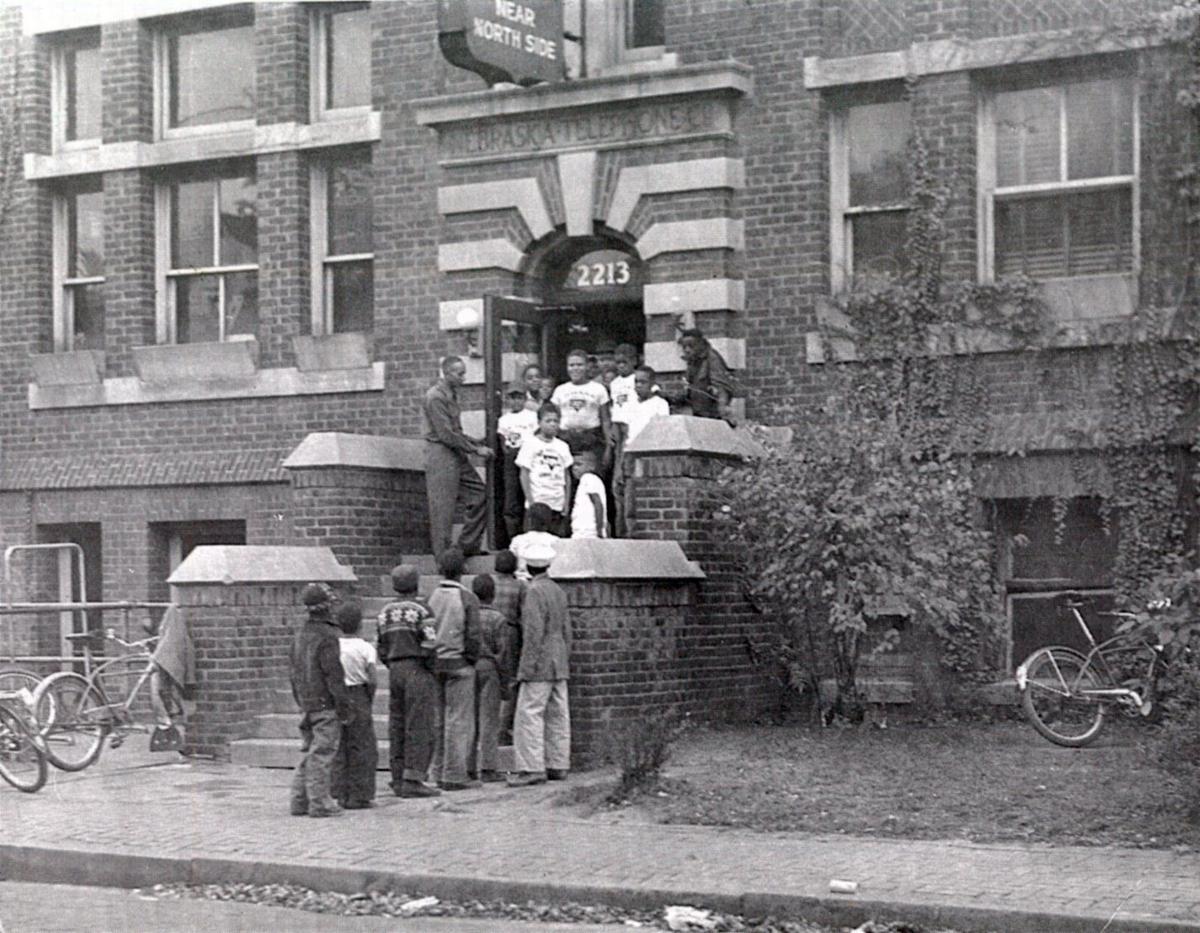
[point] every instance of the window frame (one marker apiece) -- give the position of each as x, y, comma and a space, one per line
63, 298
635, 53
162, 77
321, 283
58, 92
841, 211
318, 70
988, 192
166, 317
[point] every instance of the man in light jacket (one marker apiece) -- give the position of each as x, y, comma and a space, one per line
542, 729
456, 648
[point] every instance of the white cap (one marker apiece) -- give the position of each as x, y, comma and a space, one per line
539, 555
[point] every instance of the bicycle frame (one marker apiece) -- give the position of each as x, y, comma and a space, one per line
94, 675
1096, 660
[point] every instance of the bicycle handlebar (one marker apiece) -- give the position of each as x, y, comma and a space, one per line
111, 635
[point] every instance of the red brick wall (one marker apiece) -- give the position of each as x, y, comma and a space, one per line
370, 518
242, 641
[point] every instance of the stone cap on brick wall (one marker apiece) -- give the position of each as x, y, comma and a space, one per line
334, 449
678, 434
622, 559
258, 564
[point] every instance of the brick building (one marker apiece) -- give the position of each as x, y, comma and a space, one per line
238, 227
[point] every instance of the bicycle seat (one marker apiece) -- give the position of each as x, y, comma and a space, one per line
1074, 599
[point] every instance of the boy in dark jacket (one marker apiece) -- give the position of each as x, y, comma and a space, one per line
510, 591
319, 688
407, 634
457, 613
493, 634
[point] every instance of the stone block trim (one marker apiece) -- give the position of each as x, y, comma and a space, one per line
236, 565
338, 449
522, 194
669, 298
664, 356
668, 177
684, 236
479, 254
577, 182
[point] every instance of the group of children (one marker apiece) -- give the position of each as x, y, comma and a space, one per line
564, 446
463, 666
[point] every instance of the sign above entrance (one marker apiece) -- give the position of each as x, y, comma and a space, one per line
503, 40
604, 268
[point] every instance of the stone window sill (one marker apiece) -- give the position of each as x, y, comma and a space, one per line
1090, 311
204, 372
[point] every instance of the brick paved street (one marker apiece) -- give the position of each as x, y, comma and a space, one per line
507, 840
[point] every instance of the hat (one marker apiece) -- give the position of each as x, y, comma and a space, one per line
539, 555
316, 594
405, 578
515, 388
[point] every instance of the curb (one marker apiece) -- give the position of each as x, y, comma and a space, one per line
101, 869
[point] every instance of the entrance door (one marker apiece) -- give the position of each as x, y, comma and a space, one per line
516, 333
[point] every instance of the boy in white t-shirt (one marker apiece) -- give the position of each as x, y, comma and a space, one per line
646, 404
545, 462
514, 426
621, 389
585, 422
353, 780
589, 514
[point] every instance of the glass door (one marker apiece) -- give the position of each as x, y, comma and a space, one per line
515, 334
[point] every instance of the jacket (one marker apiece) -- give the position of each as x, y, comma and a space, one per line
545, 632
457, 612
441, 419
318, 679
406, 626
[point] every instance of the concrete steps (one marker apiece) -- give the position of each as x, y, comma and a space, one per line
275, 742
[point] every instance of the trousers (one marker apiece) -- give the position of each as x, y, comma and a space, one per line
449, 480
484, 756
542, 729
454, 734
357, 757
412, 711
514, 495
319, 736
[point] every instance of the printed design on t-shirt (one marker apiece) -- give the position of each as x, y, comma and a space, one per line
578, 403
548, 464
512, 440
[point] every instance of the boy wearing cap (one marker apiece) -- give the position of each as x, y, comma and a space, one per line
542, 731
514, 426
407, 634
319, 688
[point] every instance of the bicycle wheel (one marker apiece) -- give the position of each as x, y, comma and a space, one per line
13, 679
22, 762
73, 717
1051, 698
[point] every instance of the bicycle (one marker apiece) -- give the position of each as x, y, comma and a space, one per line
1066, 693
22, 753
74, 712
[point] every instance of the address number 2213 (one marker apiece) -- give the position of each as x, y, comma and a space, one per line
596, 274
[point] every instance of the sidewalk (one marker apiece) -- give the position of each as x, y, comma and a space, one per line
136, 819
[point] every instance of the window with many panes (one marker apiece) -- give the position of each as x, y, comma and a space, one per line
341, 58
210, 282
79, 267
868, 190
75, 90
343, 250
205, 72
1061, 190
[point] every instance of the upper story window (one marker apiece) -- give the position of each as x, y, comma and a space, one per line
644, 24
341, 58
868, 191
343, 250
209, 280
1060, 190
79, 267
206, 73
76, 91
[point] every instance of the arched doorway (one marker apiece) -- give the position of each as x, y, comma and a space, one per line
592, 288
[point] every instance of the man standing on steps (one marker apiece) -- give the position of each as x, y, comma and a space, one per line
449, 475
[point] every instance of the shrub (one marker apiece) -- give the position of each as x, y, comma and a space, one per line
640, 748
